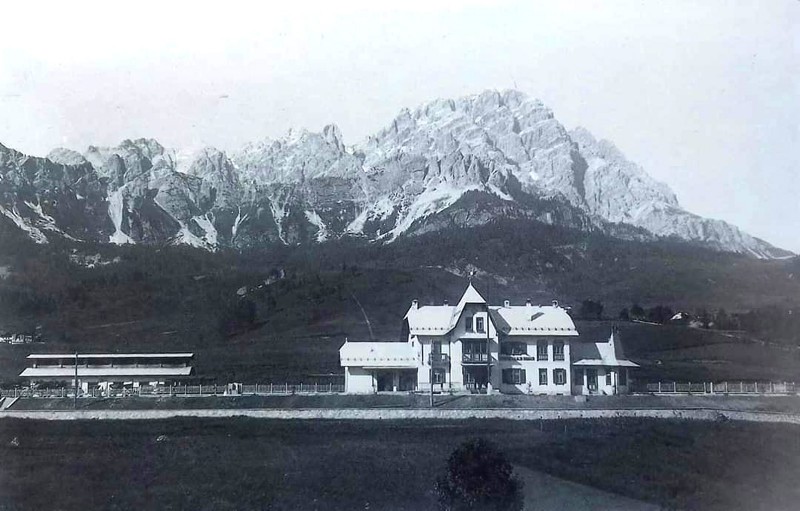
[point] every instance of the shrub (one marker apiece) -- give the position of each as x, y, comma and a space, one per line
478, 477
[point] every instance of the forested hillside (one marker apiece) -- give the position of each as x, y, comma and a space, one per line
276, 312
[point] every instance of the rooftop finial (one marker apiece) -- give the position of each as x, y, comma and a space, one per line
471, 274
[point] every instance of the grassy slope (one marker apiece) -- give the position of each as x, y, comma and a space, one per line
252, 464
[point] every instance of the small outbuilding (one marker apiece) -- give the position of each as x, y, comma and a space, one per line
379, 367
600, 368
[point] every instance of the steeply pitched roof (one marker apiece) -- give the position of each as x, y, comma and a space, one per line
430, 319
471, 295
608, 353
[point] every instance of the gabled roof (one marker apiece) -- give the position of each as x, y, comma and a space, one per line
378, 354
510, 320
471, 295
440, 319
430, 319
533, 320
608, 353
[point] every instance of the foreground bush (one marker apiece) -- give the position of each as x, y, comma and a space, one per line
478, 477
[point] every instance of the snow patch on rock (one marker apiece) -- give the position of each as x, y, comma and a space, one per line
34, 233
207, 224
322, 229
116, 202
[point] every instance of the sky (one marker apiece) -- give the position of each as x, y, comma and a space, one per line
704, 95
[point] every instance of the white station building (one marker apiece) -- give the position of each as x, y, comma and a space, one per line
480, 348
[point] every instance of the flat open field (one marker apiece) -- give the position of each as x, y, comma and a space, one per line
260, 464
789, 404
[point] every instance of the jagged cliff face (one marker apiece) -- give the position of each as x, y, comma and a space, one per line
447, 163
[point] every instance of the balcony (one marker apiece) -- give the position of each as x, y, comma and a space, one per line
438, 359
474, 358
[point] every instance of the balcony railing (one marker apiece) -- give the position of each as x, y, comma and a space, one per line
474, 358
558, 357
438, 359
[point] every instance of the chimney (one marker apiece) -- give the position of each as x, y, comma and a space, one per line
446, 302
528, 302
555, 303
415, 304
506, 304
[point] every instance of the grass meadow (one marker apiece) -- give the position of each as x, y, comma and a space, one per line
261, 464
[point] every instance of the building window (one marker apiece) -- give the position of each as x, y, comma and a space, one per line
514, 376
608, 378
542, 376
438, 376
623, 377
560, 376
558, 350
591, 378
541, 350
474, 351
513, 348
479, 325
468, 324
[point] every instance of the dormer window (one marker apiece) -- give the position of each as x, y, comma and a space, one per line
479, 326
468, 324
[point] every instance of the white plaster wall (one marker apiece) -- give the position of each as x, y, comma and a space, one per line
602, 387
358, 381
532, 367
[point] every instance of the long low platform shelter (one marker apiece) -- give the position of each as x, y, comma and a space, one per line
108, 369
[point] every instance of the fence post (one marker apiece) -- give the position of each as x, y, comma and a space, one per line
330, 388
270, 387
659, 387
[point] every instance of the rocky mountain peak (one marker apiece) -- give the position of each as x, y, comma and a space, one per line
66, 156
446, 162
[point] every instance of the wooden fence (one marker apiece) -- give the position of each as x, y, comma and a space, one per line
182, 390
724, 387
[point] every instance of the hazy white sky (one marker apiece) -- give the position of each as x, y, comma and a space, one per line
705, 95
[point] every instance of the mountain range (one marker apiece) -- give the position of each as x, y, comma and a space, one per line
462, 162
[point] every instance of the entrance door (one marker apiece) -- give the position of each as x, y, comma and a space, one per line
408, 380
591, 379
475, 379
384, 381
